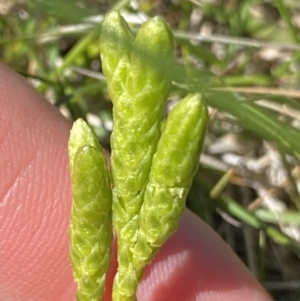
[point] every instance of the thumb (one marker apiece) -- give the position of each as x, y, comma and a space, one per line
35, 201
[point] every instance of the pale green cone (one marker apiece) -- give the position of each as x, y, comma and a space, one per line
137, 114
91, 220
173, 167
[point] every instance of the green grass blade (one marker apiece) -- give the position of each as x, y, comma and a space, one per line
285, 14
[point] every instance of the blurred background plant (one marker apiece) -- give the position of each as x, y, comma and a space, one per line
243, 55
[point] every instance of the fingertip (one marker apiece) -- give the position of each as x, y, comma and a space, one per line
35, 200
35, 196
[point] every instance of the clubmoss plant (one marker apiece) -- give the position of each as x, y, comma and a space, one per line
91, 220
139, 90
151, 171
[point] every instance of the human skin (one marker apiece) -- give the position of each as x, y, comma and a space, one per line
35, 200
